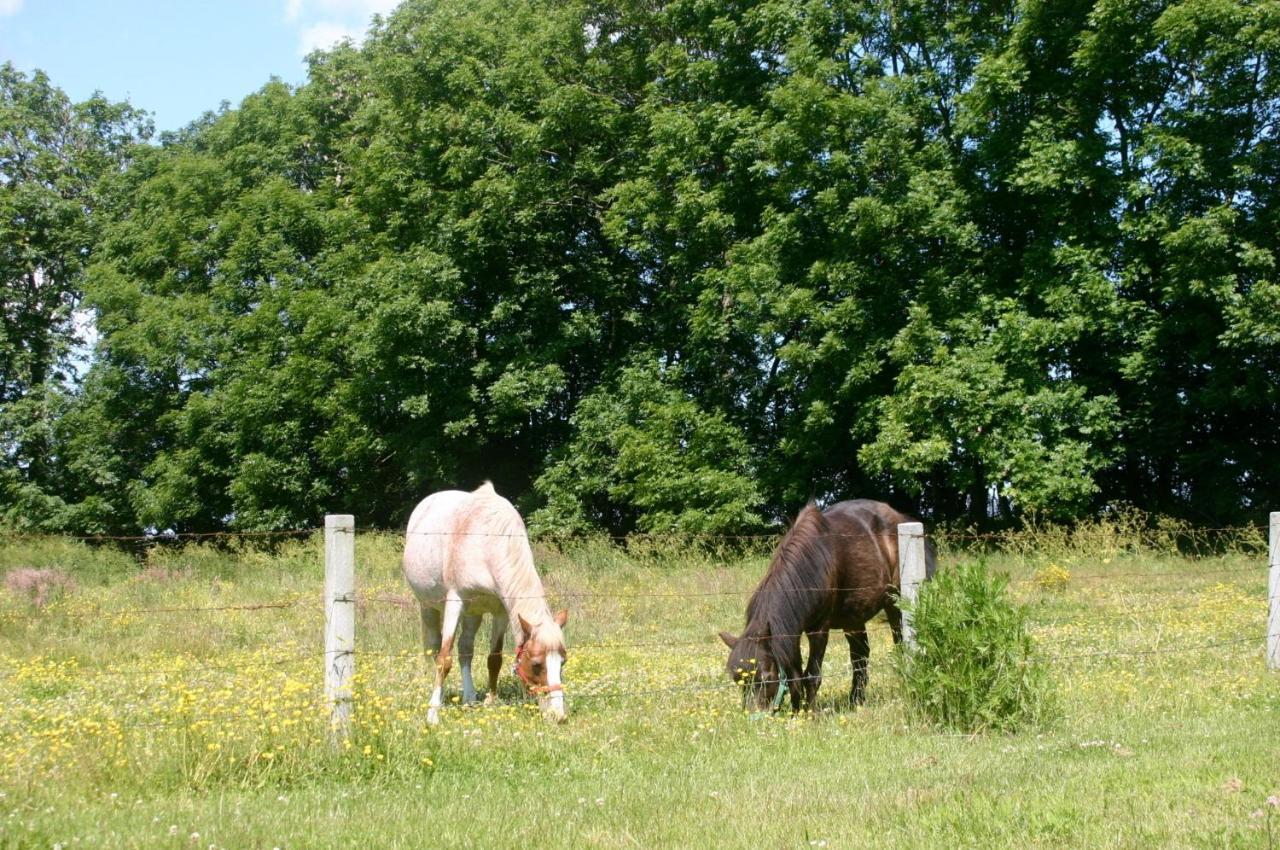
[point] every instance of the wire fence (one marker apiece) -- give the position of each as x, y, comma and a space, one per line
567, 596
1120, 537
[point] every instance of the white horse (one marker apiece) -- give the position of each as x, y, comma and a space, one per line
467, 555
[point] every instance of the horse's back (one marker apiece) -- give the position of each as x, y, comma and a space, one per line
867, 534
453, 541
427, 539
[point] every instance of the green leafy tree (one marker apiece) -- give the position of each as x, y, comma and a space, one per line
645, 456
53, 157
640, 262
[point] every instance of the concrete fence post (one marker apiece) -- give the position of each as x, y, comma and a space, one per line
1273, 595
339, 619
911, 572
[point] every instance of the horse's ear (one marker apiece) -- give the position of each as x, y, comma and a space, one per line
524, 626
729, 640
562, 617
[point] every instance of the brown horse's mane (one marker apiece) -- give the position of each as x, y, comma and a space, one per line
795, 584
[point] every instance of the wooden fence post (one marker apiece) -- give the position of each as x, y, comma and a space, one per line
911, 572
339, 619
1273, 595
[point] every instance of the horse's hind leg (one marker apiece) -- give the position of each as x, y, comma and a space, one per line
466, 649
430, 634
497, 630
813, 670
859, 652
894, 616
448, 625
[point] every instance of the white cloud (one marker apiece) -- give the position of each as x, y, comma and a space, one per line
346, 9
10, 7
364, 8
323, 23
326, 34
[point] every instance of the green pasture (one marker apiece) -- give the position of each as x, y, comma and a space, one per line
174, 700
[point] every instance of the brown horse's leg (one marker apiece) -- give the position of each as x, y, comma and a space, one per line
466, 651
894, 616
497, 630
813, 670
859, 651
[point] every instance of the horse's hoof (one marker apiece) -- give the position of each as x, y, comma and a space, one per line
491, 700
433, 717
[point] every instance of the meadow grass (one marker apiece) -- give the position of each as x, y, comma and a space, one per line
127, 719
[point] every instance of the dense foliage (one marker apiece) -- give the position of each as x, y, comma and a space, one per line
53, 156
683, 264
974, 666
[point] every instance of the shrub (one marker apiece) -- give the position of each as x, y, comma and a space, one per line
39, 587
974, 666
1053, 578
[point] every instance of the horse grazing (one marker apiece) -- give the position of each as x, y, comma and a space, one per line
834, 569
467, 555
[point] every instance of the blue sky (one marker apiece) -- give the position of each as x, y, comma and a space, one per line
178, 58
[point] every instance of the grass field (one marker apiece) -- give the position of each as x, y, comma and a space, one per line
129, 720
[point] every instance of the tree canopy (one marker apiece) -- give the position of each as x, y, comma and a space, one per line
677, 265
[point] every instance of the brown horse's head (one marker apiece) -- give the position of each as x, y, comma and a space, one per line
752, 666
540, 660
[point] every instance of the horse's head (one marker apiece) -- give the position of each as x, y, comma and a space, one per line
540, 659
751, 665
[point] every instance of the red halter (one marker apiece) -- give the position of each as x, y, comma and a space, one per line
530, 686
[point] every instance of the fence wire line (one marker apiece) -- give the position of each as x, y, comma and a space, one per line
41, 613
937, 535
943, 535
561, 595
156, 538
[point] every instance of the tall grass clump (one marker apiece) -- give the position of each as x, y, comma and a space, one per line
974, 666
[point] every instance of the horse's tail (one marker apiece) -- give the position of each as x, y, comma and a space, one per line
930, 558
485, 489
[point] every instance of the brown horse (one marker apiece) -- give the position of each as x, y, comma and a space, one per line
835, 569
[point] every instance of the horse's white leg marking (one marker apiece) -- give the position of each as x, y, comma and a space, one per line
553, 704
444, 660
466, 648
497, 630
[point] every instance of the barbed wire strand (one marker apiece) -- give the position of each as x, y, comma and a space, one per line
563, 595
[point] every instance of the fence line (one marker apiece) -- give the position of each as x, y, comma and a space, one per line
195, 609
943, 535
568, 595
155, 538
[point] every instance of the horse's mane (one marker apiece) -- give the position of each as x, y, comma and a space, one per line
794, 585
509, 542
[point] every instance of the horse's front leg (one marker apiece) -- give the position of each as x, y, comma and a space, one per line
466, 650
859, 652
444, 659
813, 670
497, 630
